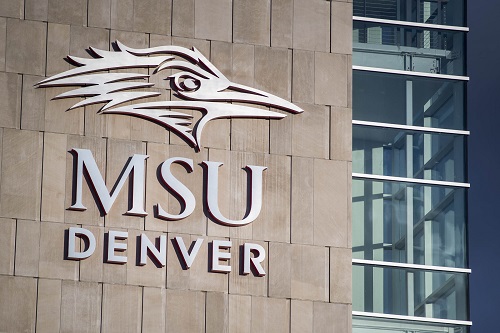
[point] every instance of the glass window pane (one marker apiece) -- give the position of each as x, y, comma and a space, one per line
399, 153
409, 223
407, 292
408, 48
379, 325
407, 100
422, 11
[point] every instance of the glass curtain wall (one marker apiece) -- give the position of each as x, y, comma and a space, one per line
410, 268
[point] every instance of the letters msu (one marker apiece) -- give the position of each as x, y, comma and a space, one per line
198, 83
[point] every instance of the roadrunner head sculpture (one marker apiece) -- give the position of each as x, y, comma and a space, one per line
197, 83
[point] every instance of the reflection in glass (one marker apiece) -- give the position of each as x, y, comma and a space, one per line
408, 48
407, 100
407, 292
442, 12
379, 325
409, 223
399, 153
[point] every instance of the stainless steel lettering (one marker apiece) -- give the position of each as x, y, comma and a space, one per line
248, 248
213, 193
186, 256
180, 189
147, 245
217, 255
114, 246
76, 255
85, 160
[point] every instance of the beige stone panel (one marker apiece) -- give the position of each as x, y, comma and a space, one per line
118, 153
340, 275
3, 42
48, 315
217, 312
92, 215
21, 174
243, 64
152, 16
341, 134
311, 131
83, 37
92, 268
99, 13
303, 76
196, 223
349, 81
273, 223
12, 8
96, 124
281, 23
327, 91
72, 12
54, 177
311, 25
58, 40
185, 311
121, 308
81, 307
58, 117
213, 20
240, 313
154, 308
330, 202
225, 192
199, 276
152, 274
122, 14
183, 18
302, 316
18, 305
118, 126
33, 104
280, 135
273, 69
251, 135
250, 284
270, 315
302, 200
26, 47
10, 100
280, 268
37, 10
131, 39
349, 205
156, 192
309, 272
341, 25
7, 245
202, 45
27, 248
252, 21
53, 262
331, 318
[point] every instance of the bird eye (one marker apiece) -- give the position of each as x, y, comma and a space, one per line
190, 84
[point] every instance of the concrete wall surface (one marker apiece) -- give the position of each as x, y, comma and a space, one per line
299, 50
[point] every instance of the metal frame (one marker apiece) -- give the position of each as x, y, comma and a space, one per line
410, 127
412, 318
401, 72
409, 180
410, 24
410, 266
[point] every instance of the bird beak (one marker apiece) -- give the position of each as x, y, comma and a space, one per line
245, 94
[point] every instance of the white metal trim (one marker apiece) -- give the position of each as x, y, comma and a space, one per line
412, 318
411, 24
411, 266
411, 73
410, 180
410, 127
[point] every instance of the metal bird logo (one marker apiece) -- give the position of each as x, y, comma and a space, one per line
196, 82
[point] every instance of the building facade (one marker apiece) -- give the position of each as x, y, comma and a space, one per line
410, 268
96, 235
